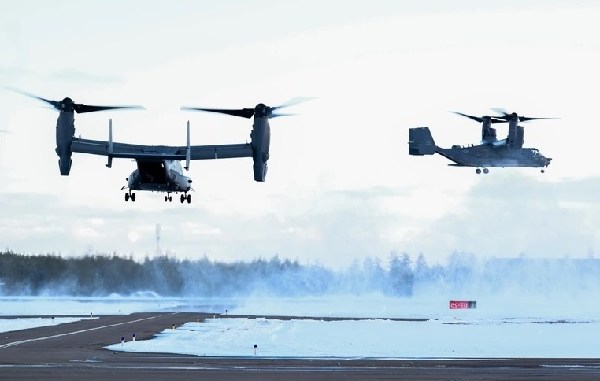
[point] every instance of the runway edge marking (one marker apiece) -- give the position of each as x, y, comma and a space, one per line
14, 343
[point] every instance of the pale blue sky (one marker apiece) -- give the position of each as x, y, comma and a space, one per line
341, 185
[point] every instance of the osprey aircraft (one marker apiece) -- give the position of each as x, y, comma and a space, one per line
158, 166
491, 152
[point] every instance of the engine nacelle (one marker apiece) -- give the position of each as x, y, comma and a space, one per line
64, 163
65, 130
261, 138
260, 167
516, 136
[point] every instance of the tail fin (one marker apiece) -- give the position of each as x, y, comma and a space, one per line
420, 142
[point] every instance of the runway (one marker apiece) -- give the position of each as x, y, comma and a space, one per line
75, 351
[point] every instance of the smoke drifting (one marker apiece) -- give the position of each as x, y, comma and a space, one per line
400, 276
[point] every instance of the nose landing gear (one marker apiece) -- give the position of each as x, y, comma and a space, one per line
129, 196
479, 170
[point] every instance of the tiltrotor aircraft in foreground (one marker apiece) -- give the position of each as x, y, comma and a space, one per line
491, 152
158, 166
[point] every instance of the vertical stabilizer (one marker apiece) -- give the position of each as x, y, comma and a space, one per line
420, 142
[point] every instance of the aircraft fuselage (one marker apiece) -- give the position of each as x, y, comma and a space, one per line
488, 155
159, 176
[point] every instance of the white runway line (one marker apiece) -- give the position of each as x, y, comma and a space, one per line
14, 343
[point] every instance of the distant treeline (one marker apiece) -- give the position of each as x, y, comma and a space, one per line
102, 275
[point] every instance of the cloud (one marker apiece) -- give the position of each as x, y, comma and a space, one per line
200, 229
505, 214
509, 214
86, 233
16, 74
133, 236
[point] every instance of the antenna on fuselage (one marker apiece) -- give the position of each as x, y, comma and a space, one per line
188, 149
110, 144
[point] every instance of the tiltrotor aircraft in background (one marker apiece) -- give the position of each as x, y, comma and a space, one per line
491, 152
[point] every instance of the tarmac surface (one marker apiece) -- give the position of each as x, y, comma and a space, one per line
75, 351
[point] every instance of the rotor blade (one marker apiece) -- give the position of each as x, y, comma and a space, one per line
475, 118
506, 116
282, 114
500, 110
244, 112
54, 104
293, 102
81, 108
481, 119
527, 119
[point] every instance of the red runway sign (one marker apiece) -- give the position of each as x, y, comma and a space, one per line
460, 304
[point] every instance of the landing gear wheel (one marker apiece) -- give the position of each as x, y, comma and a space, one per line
543, 171
133, 197
166, 198
189, 198
181, 198
126, 197
486, 171
478, 171
170, 198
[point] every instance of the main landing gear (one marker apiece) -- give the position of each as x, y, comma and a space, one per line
129, 196
182, 198
185, 197
479, 170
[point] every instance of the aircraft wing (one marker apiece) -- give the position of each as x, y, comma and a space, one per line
138, 151
223, 151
